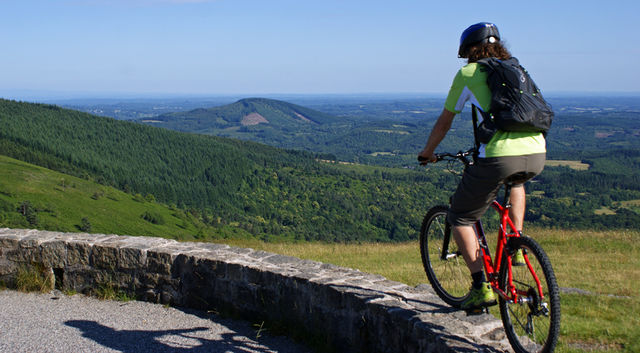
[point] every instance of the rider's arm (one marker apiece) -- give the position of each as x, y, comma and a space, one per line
438, 132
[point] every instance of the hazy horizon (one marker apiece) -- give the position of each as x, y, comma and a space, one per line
54, 97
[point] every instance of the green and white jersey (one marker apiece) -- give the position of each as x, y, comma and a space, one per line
470, 85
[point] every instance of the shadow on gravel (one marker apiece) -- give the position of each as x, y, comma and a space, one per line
178, 340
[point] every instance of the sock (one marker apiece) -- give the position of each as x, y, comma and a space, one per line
478, 279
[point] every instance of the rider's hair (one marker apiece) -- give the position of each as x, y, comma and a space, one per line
488, 50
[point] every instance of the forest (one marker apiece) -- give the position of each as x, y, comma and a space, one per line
264, 190
301, 194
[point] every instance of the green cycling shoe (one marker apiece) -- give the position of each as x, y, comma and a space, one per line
518, 259
479, 298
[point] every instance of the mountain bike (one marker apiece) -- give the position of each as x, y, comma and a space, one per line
528, 295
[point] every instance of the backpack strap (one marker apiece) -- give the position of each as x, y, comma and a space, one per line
474, 117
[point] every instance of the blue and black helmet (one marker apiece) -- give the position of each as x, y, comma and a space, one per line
483, 32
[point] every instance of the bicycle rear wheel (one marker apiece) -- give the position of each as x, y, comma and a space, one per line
531, 323
443, 263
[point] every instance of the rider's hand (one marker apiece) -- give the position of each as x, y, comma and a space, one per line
425, 157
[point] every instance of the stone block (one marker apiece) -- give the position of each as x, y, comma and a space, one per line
77, 253
7, 267
79, 278
53, 253
212, 247
104, 256
9, 241
160, 261
254, 275
143, 243
235, 272
35, 238
282, 260
131, 258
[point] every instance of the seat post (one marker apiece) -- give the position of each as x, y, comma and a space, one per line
507, 194
516, 178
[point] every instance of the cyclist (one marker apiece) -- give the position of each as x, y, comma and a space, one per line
505, 154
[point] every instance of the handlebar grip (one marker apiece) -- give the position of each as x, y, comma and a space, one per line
460, 156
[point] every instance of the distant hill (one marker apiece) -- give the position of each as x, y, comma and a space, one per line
244, 113
285, 125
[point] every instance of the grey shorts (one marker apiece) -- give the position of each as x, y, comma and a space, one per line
480, 184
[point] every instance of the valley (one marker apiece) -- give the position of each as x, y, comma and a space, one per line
372, 191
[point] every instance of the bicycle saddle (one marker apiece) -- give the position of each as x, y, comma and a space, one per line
519, 178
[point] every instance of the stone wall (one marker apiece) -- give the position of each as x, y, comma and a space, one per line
335, 308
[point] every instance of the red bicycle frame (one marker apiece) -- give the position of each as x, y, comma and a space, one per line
492, 269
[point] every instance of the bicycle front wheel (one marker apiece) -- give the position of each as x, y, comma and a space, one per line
442, 261
532, 322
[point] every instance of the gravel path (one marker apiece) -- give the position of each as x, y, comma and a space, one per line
55, 322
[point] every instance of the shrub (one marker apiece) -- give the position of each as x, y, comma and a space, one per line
85, 225
29, 212
153, 217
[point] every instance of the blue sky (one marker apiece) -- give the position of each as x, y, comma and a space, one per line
199, 47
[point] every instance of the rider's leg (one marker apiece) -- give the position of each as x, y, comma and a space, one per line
518, 205
481, 294
467, 242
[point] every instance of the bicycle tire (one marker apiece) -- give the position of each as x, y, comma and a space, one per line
532, 325
448, 275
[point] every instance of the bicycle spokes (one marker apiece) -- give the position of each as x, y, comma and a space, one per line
443, 263
531, 311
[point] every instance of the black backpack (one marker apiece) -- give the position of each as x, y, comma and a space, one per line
516, 101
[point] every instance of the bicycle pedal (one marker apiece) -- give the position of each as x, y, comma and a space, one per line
473, 312
477, 311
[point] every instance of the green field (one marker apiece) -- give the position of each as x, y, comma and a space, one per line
575, 165
599, 273
633, 205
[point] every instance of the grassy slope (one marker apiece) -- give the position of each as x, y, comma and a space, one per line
62, 201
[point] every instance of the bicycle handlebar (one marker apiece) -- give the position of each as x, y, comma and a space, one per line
461, 156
